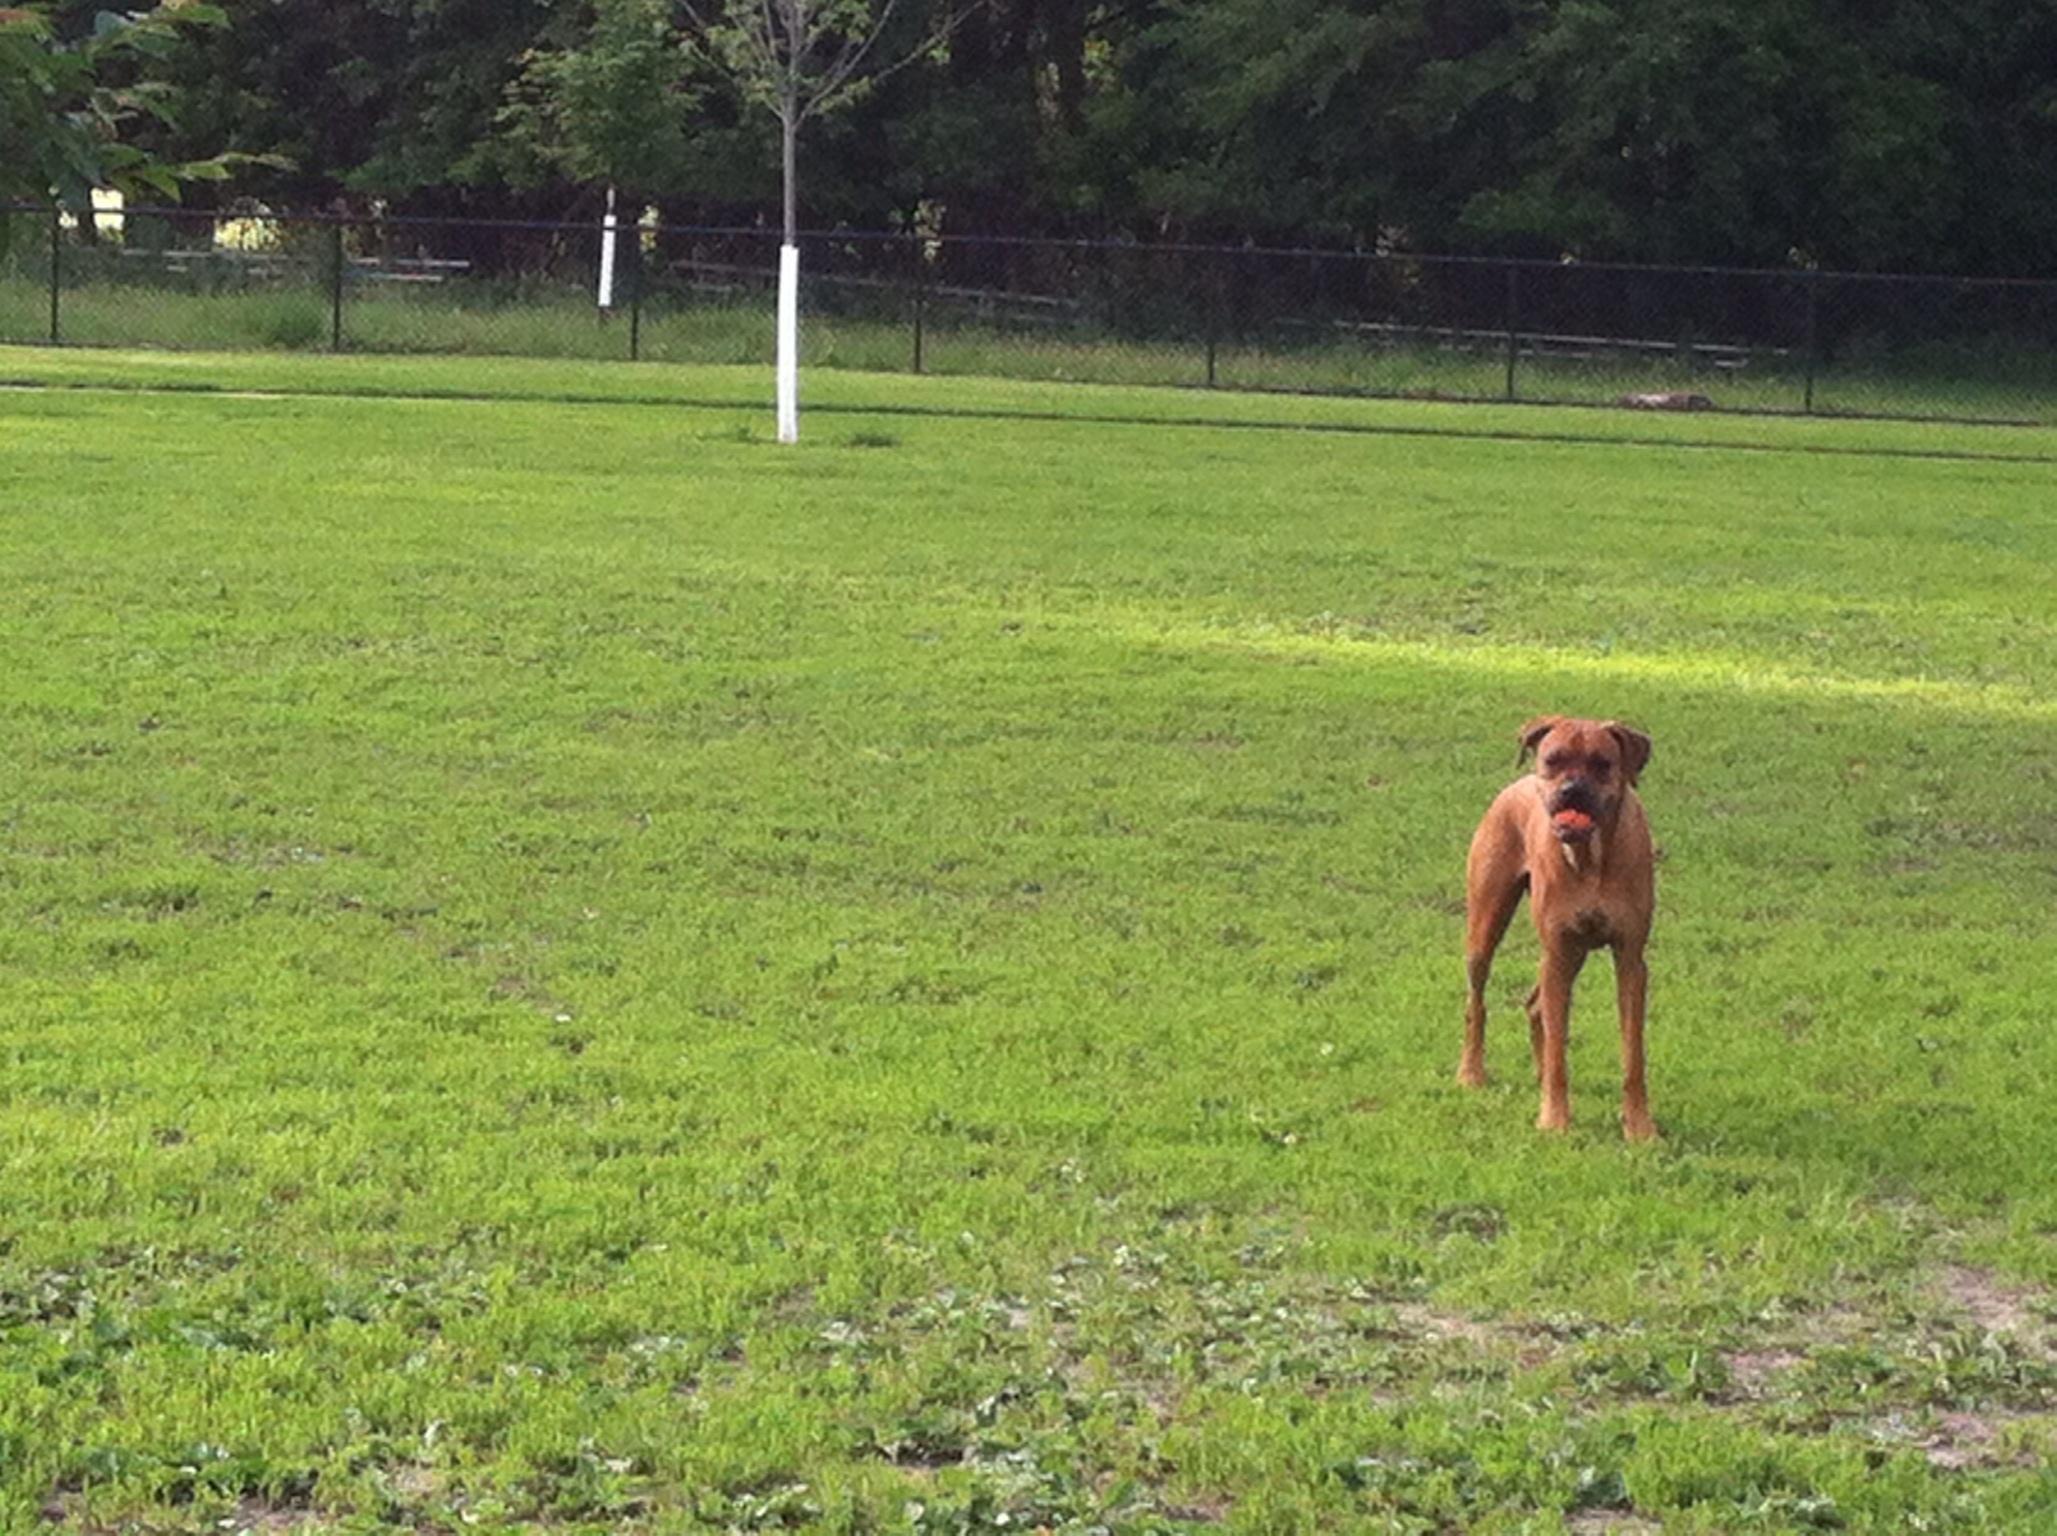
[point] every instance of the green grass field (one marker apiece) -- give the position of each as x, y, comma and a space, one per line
571, 969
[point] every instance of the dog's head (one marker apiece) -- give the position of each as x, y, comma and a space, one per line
1586, 768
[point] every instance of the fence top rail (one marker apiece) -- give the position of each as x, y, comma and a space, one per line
1042, 242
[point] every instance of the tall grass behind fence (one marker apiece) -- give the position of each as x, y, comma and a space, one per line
1305, 321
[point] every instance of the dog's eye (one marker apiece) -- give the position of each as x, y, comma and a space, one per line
1601, 767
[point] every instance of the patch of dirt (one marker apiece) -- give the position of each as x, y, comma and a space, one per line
1997, 1306
1837, 1323
1530, 1345
795, 1306
1610, 1522
255, 1518
920, 1460
511, 987
1958, 1441
252, 1517
1961, 1440
1443, 1326
1751, 1372
415, 1483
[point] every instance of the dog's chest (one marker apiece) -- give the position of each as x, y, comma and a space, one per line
1576, 905
1590, 925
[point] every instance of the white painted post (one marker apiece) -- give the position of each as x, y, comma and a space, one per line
607, 255
789, 344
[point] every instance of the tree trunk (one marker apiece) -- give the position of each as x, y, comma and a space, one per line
788, 391
789, 126
1065, 31
788, 360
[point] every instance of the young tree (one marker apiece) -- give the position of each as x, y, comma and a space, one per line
799, 59
605, 102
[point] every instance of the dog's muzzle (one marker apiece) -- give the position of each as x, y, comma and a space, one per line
1574, 812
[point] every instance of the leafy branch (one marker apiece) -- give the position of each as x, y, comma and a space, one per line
66, 122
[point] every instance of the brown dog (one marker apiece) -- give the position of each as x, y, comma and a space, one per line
1572, 834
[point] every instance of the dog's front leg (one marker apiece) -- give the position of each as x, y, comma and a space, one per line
1631, 985
1561, 964
1493, 887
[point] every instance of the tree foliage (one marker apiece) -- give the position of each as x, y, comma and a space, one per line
803, 59
605, 98
1860, 133
69, 105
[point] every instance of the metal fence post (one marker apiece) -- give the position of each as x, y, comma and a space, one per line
56, 269
336, 260
920, 298
1217, 286
635, 274
1513, 322
1813, 335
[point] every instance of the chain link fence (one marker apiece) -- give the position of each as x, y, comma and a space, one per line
1302, 321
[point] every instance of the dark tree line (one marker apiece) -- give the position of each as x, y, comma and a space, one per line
1872, 134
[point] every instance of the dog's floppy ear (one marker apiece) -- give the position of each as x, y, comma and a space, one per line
1533, 733
1635, 748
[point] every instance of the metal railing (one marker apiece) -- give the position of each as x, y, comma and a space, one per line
1240, 318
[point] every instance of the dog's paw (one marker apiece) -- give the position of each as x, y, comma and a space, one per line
1556, 1120
1471, 1075
1640, 1128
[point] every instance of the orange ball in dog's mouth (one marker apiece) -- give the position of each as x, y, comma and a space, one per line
1572, 823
